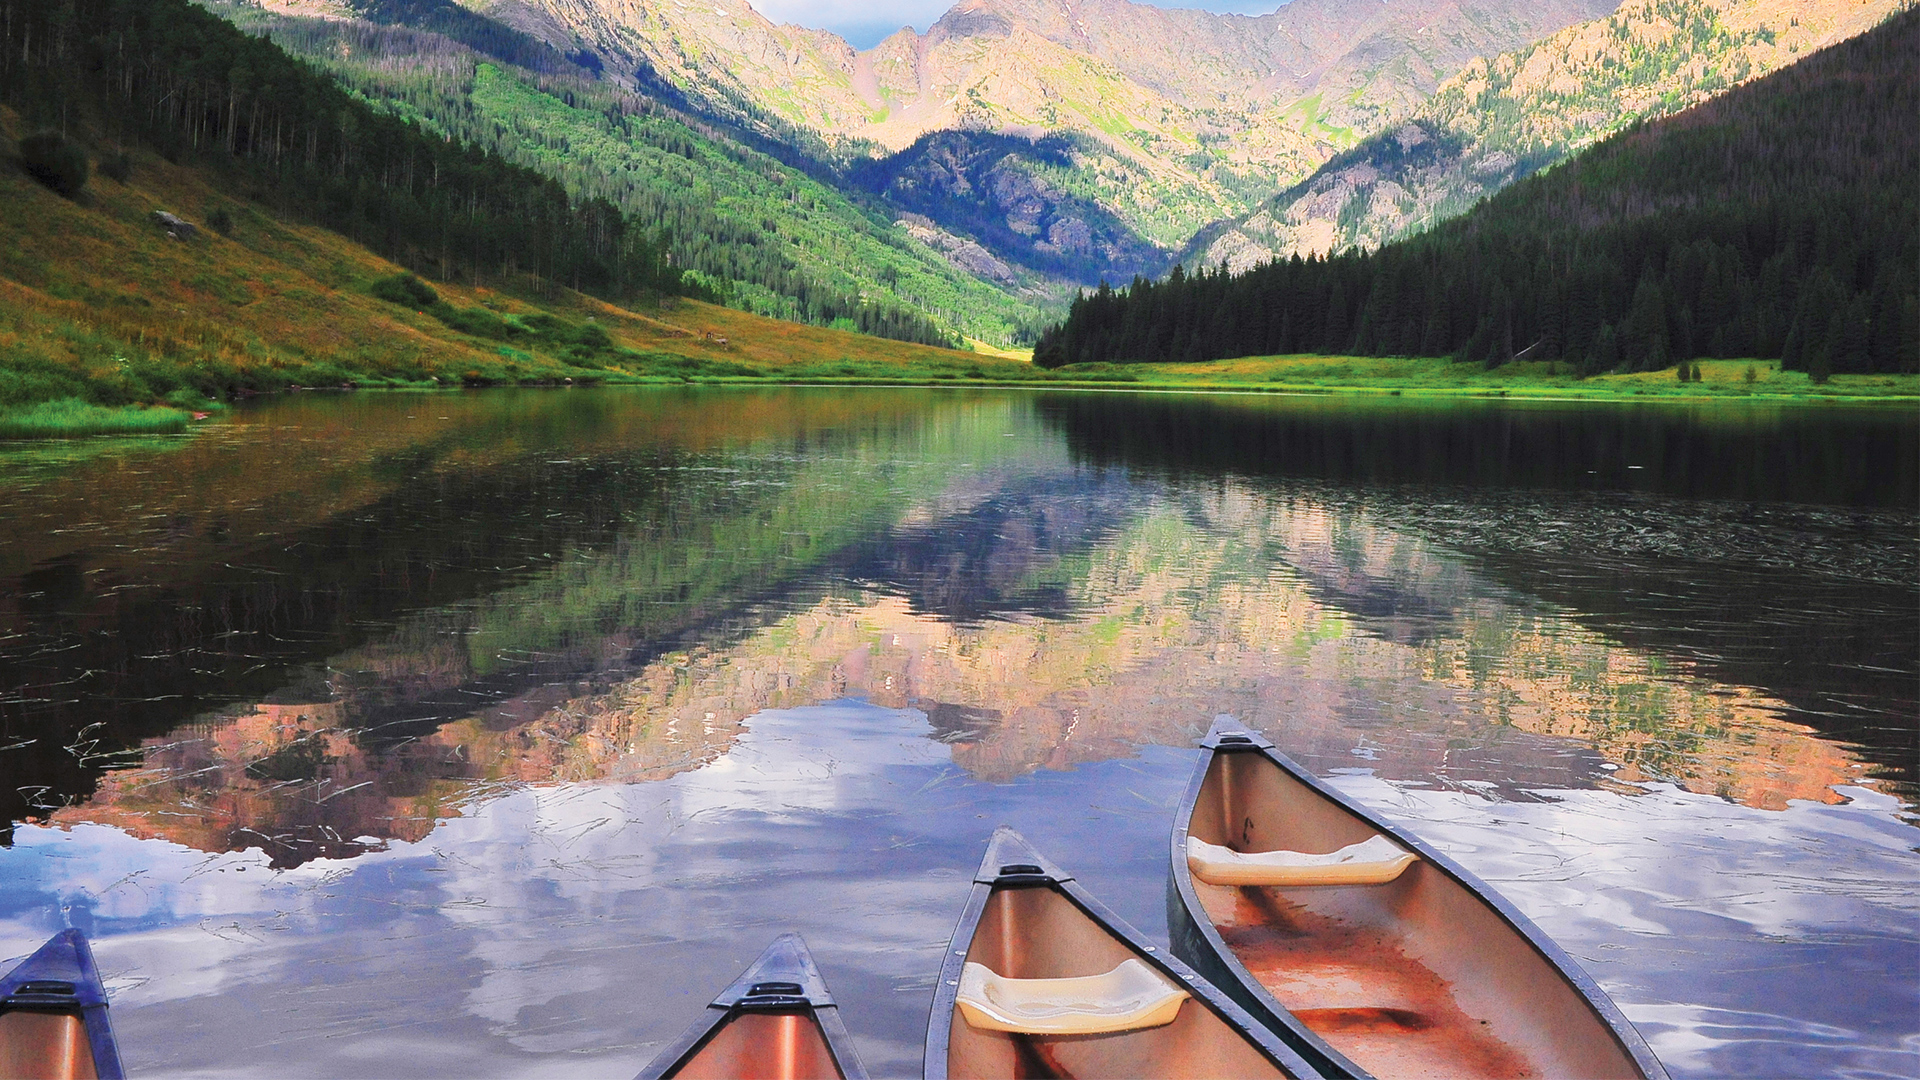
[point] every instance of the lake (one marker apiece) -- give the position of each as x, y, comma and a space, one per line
492, 733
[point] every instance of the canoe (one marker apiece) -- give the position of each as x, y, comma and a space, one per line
775, 1022
1042, 980
53, 1015
1369, 951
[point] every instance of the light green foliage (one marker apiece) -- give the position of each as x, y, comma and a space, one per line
1697, 55
815, 225
765, 236
70, 418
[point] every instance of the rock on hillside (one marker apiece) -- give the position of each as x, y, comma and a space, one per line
1499, 120
1017, 198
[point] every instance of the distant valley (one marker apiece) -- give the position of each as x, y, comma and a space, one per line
1162, 121
1031, 147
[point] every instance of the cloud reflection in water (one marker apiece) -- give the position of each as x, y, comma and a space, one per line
577, 926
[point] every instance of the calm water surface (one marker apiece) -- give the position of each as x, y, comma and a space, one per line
489, 734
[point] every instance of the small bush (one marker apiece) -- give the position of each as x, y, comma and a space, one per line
476, 321
407, 290
593, 336
26, 381
221, 221
56, 161
542, 323
193, 400
117, 167
687, 367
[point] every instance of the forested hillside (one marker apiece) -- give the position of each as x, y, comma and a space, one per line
167, 75
758, 232
103, 304
1778, 220
170, 76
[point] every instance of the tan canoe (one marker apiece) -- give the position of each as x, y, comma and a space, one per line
1042, 980
1372, 953
775, 1022
53, 1016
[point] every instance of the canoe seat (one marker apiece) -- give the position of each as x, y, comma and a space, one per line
1130, 997
1373, 861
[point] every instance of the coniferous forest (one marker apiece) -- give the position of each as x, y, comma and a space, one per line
1780, 220
169, 75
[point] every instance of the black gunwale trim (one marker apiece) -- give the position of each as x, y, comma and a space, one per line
786, 962
67, 958
1624, 1033
1009, 849
1187, 919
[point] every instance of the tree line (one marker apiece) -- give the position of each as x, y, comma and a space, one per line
1779, 220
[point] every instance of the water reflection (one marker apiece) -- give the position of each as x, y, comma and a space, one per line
1342, 637
513, 721
1761, 546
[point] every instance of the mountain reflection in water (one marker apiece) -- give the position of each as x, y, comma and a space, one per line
555, 605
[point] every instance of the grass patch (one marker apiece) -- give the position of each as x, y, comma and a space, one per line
1718, 379
71, 418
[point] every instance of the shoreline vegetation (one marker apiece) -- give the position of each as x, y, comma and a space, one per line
1358, 377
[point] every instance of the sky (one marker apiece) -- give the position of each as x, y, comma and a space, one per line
865, 23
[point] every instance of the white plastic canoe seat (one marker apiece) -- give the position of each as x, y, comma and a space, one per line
1373, 861
1130, 997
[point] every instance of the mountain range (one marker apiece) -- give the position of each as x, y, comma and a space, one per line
1165, 119
964, 182
1505, 117
1019, 149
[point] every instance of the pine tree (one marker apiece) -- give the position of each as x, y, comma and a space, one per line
1644, 335
1605, 354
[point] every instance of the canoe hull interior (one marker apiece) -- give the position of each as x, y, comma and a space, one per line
53, 1015
763, 1046
52, 1046
777, 1021
1428, 974
1045, 926
1036, 932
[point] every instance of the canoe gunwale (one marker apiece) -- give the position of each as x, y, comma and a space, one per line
1187, 919
786, 961
1010, 850
1202, 934
88, 1002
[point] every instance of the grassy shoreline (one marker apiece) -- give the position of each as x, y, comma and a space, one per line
1359, 377
71, 418
1721, 380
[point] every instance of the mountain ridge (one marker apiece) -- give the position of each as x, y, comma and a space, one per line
1776, 220
1502, 118
1171, 131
